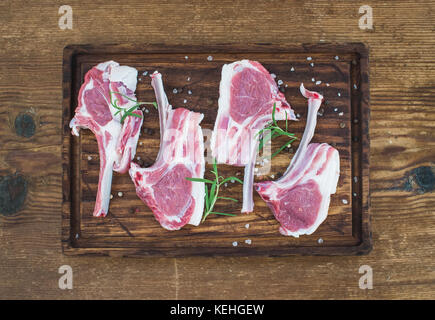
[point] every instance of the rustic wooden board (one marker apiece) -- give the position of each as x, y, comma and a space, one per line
130, 228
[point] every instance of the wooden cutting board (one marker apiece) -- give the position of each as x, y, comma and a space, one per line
130, 228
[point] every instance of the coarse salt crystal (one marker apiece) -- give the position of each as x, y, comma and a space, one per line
344, 201
235, 244
140, 79
355, 86
335, 109
312, 79
138, 158
146, 111
247, 226
312, 64
111, 196
145, 73
89, 158
248, 241
186, 57
320, 241
272, 176
120, 194
340, 114
318, 82
189, 92
140, 143
339, 94
298, 115
188, 78
273, 75
232, 181
355, 179
309, 58
210, 58
184, 101
327, 84
292, 69
280, 82
175, 90
336, 58
226, 184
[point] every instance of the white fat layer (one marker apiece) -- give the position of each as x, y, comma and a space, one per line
103, 65
126, 75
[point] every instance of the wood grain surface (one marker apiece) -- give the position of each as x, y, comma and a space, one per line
402, 73
130, 227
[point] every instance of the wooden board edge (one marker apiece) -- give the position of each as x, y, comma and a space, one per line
357, 250
70, 51
68, 54
119, 48
366, 228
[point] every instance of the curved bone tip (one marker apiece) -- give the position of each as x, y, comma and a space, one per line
302, 89
309, 94
74, 127
155, 73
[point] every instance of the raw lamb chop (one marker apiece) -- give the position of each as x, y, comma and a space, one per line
247, 95
116, 142
174, 200
300, 198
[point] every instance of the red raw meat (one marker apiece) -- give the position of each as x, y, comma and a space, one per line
174, 200
116, 142
300, 198
247, 95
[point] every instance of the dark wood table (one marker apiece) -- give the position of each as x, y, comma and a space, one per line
402, 132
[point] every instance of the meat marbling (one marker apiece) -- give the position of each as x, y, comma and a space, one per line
116, 142
247, 95
174, 200
300, 198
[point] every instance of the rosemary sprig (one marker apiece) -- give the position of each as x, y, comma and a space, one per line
127, 112
272, 130
212, 195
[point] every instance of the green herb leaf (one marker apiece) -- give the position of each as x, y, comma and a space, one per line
228, 198
282, 148
274, 132
223, 214
207, 202
212, 195
215, 166
231, 178
130, 111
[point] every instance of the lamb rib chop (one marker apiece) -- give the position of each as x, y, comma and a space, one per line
174, 200
116, 142
247, 95
300, 198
